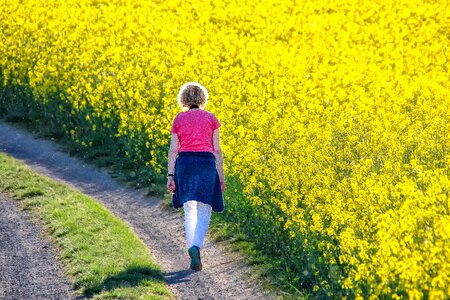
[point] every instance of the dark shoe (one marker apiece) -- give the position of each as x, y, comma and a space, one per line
196, 263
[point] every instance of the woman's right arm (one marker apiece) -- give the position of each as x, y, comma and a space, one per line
219, 158
172, 157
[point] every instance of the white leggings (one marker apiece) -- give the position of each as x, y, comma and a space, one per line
196, 222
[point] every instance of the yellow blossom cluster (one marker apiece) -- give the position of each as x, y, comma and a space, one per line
335, 114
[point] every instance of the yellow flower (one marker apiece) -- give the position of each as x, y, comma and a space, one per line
334, 119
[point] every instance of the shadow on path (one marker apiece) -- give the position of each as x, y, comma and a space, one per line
131, 277
178, 276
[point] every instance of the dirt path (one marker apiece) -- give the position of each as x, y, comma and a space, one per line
225, 276
28, 265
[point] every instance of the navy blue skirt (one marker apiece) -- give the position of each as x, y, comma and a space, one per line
196, 178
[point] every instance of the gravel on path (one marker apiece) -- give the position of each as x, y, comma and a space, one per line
225, 274
29, 268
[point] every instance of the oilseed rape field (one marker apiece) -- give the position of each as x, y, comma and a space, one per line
335, 118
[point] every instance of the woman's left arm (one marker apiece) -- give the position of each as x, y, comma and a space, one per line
172, 157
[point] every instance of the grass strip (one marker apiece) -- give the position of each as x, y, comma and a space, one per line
101, 254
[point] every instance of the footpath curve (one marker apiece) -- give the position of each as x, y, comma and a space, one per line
225, 275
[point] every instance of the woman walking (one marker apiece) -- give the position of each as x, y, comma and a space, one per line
195, 167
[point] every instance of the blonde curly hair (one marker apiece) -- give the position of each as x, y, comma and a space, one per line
192, 93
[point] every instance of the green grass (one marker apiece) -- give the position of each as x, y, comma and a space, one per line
101, 254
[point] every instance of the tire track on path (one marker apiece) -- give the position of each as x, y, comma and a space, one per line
29, 268
225, 275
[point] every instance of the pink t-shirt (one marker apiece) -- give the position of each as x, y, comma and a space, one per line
194, 129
